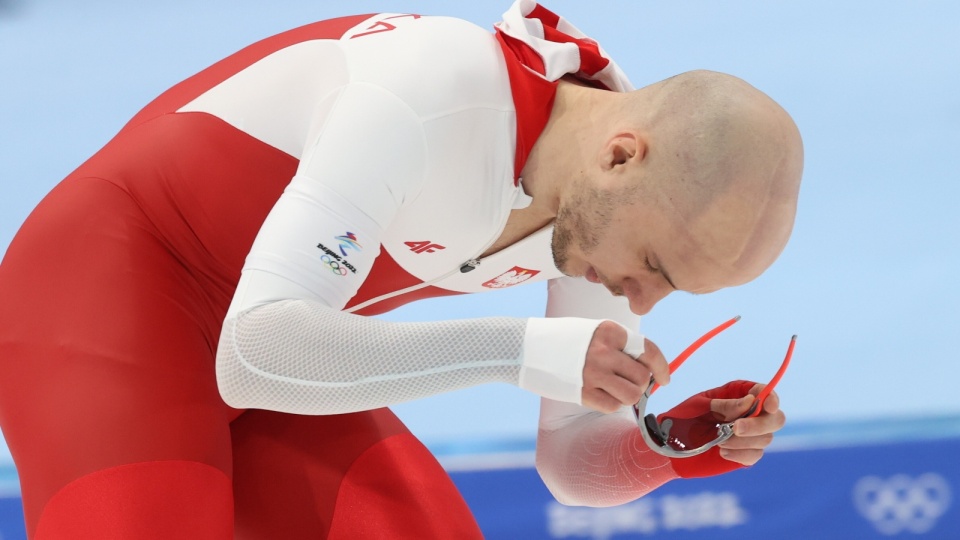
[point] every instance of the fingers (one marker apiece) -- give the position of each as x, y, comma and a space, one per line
731, 409
613, 378
751, 435
654, 360
626, 378
743, 457
772, 403
600, 401
758, 442
745, 450
610, 385
772, 419
621, 381
760, 425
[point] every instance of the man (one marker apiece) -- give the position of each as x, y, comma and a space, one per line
148, 389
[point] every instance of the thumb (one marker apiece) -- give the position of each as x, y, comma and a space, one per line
731, 409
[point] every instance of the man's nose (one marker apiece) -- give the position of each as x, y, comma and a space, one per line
643, 295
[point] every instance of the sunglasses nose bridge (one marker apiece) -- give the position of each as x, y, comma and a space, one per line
665, 428
654, 430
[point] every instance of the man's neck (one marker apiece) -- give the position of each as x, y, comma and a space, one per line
554, 153
579, 116
562, 148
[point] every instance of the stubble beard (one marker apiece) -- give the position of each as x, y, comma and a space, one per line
560, 242
582, 224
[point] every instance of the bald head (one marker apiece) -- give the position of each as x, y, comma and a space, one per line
690, 183
725, 158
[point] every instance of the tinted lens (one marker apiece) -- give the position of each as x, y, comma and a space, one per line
691, 433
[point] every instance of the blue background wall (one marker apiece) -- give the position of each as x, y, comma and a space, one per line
867, 479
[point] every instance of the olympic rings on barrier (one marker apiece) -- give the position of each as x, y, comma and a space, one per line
902, 502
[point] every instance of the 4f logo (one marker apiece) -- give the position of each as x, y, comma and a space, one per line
348, 241
424, 247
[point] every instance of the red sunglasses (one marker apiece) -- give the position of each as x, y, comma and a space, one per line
687, 437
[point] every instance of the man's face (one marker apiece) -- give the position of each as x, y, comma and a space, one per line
644, 252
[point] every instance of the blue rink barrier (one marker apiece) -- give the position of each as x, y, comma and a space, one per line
890, 479
11, 511
894, 489
11, 519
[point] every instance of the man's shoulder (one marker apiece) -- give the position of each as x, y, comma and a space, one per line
435, 64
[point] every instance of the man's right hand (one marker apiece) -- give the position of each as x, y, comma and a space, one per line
611, 377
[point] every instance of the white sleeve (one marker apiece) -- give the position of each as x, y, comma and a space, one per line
583, 456
556, 347
365, 156
304, 357
286, 345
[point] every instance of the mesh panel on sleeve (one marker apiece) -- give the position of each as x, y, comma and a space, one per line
599, 460
303, 357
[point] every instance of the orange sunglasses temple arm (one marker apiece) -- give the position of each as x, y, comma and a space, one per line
682, 357
758, 404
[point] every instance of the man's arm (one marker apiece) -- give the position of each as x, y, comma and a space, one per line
293, 352
285, 343
587, 457
594, 459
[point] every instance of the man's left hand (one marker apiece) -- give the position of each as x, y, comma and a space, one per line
751, 435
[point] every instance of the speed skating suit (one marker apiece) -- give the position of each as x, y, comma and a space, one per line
185, 350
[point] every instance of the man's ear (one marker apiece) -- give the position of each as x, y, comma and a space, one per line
623, 148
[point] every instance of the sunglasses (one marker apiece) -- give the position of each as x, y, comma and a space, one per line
688, 437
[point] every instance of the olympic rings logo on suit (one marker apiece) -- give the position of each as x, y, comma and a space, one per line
333, 265
902, 502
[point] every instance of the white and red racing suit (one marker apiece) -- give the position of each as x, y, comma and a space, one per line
183, 346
